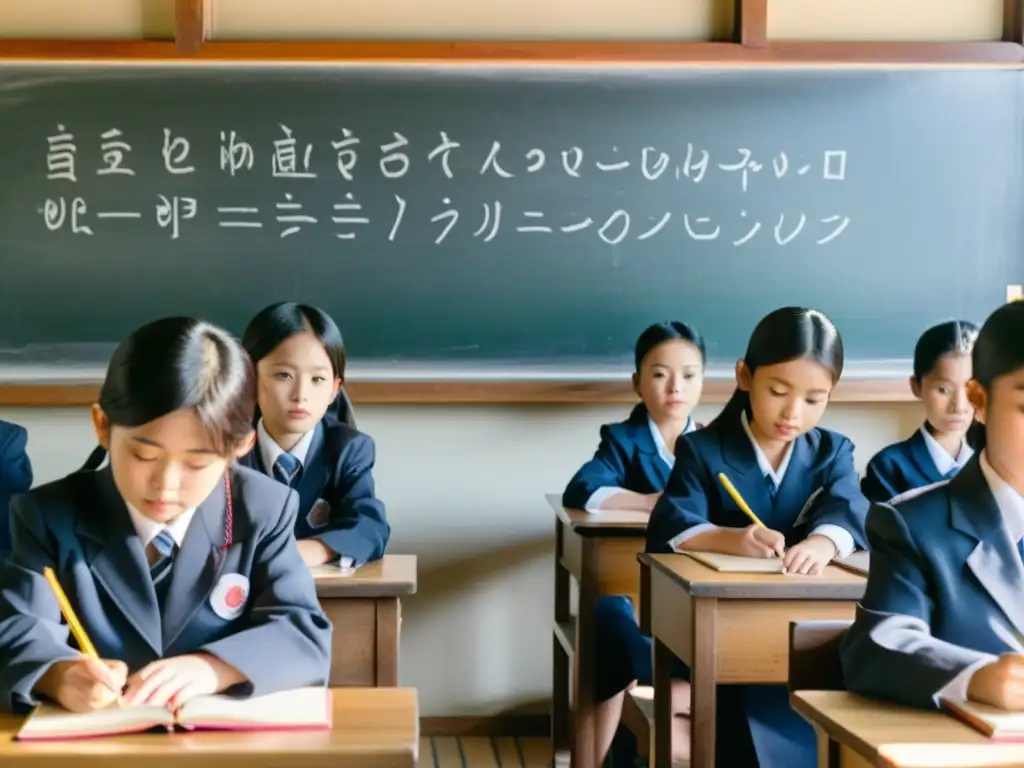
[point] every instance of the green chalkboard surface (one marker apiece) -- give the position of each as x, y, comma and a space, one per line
504, 214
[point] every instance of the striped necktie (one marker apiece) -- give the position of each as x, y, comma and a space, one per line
286, 469
773, 489
160, 569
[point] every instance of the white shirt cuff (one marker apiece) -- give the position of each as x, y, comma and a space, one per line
842, 538
676, 541
956, 689
600, 496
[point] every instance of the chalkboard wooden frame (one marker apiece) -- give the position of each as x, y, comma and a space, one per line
750, 47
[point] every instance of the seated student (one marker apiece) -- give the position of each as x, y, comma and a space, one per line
942, 615
181, 566
306, 437
15, 477
629, 471
939, 449
798, 478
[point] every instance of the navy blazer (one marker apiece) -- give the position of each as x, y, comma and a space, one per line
820, 486
944, 591
899, 468
80, 527
339, 471
626, 457
15, 476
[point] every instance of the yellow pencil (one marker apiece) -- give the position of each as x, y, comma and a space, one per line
744, 508
84, 643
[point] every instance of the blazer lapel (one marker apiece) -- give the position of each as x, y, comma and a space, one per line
651, 461
922, 459
117, 559
795, 491
994, 561
743, 470
198, 564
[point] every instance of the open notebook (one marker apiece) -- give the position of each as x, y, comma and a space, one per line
301, 709
997, 724
737, 564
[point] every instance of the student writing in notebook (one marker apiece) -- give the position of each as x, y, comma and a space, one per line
180, 565
942, 616
300, 360
15, 477
629, 471
798, 478
939, 448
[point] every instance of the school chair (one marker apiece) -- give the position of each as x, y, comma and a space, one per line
814, 655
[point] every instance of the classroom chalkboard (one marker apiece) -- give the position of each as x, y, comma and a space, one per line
479, 214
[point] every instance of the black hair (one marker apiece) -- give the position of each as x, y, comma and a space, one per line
177, 363
951, 337
789, 333
998, 350
656, 335
274, 324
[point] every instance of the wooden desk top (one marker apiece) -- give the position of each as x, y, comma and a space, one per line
701, 581
372, 727
892, 735
391, 576
618, 522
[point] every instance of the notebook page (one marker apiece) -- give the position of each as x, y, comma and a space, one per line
737, 564
50, 721
296, 707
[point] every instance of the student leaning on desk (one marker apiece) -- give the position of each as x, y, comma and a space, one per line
181, 566
799, 481
943, 613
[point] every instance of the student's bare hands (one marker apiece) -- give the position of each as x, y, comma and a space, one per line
1000, 683
758, 541
86, 684
810, 556
171, 682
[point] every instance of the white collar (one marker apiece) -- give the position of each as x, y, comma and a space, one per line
1009, 502
943, 462
148, 529
776, 475
665, 453
270, 450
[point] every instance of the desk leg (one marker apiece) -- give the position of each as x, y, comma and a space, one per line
663, 658
584, 692
828, 750
389, 619
703, 684
560, 667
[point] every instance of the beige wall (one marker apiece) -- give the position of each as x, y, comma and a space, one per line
465, 486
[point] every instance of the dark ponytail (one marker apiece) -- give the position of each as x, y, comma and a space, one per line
789, 333
274, 324
177, 363
998, 350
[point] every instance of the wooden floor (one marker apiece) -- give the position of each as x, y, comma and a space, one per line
484, 752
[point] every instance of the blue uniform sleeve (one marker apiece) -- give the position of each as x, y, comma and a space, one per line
15, 476
32, 635
607, 469
877, 484
889, 652
287, 643
840, 501
358, 526
684, 504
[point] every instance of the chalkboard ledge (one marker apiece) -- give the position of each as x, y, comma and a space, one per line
374, 383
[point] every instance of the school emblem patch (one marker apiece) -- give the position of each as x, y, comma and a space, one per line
229, 597
319, 515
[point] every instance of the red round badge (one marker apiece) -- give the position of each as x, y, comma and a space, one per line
234, 597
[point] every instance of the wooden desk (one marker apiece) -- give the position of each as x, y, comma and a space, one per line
373, 728
854, 731
599, 550
365, 610
729, 628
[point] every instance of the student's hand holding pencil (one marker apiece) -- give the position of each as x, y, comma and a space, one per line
758, 541
85, 684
